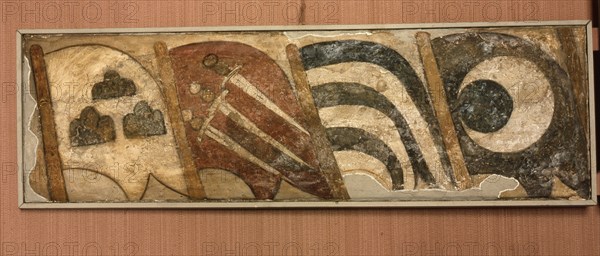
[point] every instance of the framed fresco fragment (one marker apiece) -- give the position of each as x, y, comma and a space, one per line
478, 114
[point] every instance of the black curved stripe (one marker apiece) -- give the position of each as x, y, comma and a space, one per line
335, 52
347, 138
334, 94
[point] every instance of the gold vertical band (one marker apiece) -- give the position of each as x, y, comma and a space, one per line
325, 156
56, 181
167, 85
442, 111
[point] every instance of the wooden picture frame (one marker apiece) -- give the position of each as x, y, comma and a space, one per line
281, 103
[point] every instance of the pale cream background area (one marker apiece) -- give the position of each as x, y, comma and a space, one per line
72, 72
533, 104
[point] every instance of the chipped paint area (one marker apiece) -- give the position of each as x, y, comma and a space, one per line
365, 187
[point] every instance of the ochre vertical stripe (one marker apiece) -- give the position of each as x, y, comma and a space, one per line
442, 111
325, 155
56, 182
167, 85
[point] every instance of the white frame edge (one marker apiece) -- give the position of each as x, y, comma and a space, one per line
307, 204
592, 108
20, 88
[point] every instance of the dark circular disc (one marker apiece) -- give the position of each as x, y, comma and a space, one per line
210, 60
485, 106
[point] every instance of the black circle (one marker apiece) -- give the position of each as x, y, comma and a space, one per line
485, 106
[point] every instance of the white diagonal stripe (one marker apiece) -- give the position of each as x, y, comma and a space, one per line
248, 88
239, 118
229, 143
212, 110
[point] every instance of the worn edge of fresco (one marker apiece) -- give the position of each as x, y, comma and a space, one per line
314, 204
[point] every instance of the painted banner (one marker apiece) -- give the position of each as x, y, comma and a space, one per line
450, 115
